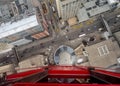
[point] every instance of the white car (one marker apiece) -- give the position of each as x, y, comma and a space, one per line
100, 29
82, 35
118, 60
118, 16
53, 9
79, 60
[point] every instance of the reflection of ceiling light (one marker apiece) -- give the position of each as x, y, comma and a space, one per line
79, 60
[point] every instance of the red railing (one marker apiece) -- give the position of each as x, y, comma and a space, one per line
68, 72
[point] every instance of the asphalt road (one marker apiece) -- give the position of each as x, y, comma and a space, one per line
58, 39
39, 45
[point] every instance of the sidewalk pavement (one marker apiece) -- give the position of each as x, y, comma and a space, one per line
37, 42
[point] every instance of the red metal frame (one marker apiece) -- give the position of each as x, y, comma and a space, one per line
115, 74
106, 76
68, 72
24, 74
65, 72
56, 84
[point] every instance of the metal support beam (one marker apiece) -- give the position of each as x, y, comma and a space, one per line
68, 72
56, 84
106, 76
29, 76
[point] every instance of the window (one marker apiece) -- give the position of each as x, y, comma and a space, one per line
103, 50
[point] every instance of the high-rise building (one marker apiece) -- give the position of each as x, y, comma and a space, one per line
68, 8
40, 13
25, 27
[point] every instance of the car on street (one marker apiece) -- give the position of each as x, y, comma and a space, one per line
53, 9
82, 35
118, 16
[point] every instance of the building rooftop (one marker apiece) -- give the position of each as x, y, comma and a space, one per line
117, 35
5, 1
18, 26
103, 54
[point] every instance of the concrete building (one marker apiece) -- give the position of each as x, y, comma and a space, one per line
67, 8
28, 64
82, 60
117, 36
40, 17
3, 10
31, 63
9, 69
113, 3
14, 8
10, 33
21, 6
27, 3
24, 27
103, 54
82, 10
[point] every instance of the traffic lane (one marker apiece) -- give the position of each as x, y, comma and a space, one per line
32, 50
85, 30
88, 29
62, 39
59, 41
70, 36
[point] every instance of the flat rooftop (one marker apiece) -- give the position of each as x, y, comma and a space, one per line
18, 26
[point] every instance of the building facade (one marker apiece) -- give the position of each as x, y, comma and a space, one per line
105, 53
40, 13
68, 8
25, 26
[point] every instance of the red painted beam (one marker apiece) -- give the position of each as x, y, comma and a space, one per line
106, 76
55, 72
55, 84
68, 72
24, 74
85, 76
110, 73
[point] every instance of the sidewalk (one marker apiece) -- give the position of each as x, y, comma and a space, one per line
37, 42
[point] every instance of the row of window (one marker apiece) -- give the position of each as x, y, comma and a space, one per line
103, 50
